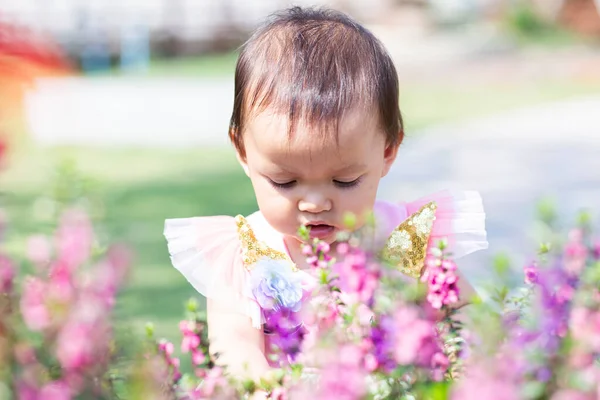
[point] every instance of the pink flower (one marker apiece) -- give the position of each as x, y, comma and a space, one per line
480, 384
213, 380
415, 338
279, 393
585, 328
575, 252
190, 340
439, 365
166, 348
25, 391
75, 346
307, 250
60, 283
33, 307
371, 363
7, 274
39, 249
358, 278
55, 391
342, 248
531, 273
442, 283
569, 394
348, 365
198, 358
74, 238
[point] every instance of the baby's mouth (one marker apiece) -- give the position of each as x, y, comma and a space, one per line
320, 230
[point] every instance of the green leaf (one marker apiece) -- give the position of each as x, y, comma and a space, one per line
349, 221
546, 210
150, 330
533, 390
192, 305
442, 244
584, 219
303, 232
545, 248
502, 264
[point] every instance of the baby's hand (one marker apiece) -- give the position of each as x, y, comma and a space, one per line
240, 346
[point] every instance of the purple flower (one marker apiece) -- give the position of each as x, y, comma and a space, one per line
287, 330
275, 285
596, 249
383, 340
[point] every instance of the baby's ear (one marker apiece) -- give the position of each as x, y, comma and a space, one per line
389, 156
239, 149
242, 160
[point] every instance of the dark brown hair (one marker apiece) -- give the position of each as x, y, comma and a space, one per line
314, 65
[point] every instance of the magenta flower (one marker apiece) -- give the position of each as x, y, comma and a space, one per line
33, 308
358, 277
596, 249
317, 256
442, 284
190, 340
166, 348
75, 346
531, 273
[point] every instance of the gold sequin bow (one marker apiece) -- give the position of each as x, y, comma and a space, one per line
253, 249
407, 245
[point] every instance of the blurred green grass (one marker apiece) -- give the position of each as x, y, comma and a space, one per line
139, 188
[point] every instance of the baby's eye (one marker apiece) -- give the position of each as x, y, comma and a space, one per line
347, 184
284, 185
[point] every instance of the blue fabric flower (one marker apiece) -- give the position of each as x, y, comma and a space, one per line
275, 286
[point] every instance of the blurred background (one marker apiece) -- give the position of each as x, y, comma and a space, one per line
123, 107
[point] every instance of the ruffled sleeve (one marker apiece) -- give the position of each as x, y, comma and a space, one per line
459, 218
207, 252
407, 230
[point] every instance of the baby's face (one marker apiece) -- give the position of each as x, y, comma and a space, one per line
312, 180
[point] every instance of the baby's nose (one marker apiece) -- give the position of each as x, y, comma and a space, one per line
314, 203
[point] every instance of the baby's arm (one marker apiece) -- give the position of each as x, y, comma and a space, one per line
240, 346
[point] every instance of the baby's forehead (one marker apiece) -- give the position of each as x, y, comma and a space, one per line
354, 128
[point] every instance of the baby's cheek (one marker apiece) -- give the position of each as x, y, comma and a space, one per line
358, 203
279, 212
